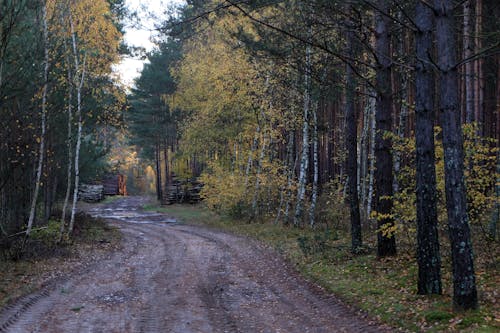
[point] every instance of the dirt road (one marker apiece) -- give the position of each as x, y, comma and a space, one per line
171, 277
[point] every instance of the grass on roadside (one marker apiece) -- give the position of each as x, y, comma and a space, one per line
110, 198
384, 288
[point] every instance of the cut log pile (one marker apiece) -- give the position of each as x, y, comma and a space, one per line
91, 193
186, 191
115, 185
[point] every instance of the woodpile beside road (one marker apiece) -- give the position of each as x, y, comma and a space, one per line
186, 191
91, 193
115, 184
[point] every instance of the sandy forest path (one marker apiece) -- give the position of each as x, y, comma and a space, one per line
170, 277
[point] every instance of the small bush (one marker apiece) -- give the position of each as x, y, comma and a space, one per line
48, 234
316, 244
331, 209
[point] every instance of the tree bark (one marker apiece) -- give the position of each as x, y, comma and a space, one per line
428, 256
464, 280
403, 112
304, 160
80, 70
364, 156
314, 195
167, 169
479, 81
386, 243
159, 189
469, 73
70, 151
255, 200
43, 121
250, 154
351, 148
292, 161
371, 156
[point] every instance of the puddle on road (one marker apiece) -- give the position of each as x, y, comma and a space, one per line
131, 215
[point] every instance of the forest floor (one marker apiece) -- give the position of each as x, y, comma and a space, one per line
385, 289
167, 276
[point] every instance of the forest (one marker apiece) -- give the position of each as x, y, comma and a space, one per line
376, 119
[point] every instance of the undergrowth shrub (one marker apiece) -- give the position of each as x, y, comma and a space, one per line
317, 243
331, 210
480, 171
48, 234
225, 192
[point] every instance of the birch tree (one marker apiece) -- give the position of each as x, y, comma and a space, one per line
304, 159
314, 194
80, 76
69, 142
43, 121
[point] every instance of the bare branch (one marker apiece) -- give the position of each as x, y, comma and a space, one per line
325, 48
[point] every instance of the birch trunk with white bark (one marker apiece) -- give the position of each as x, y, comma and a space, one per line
314, 194
41, 153
78, 71
304, 160
70, 152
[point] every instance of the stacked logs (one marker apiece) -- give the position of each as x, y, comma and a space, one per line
186, 191
115, 185
90, 193
194, 192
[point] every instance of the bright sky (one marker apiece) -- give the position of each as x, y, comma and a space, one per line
149, 12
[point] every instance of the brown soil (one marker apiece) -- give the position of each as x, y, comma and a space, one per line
170, 277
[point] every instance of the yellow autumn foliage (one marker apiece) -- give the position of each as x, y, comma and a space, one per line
480, 157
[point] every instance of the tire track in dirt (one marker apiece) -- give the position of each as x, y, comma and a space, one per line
30, 313
181, 278
273, 297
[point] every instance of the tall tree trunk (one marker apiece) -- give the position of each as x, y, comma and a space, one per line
469, 73
304, 160
255, 142
255, 200
364, 152
69, 145
351, 147
167, 169
314, 195
285, 190
479, 82
159, 189
464, 280
403, 113
79, 88
43, 121
77, 153
428, 256
371, 156
292, 161
386, 243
